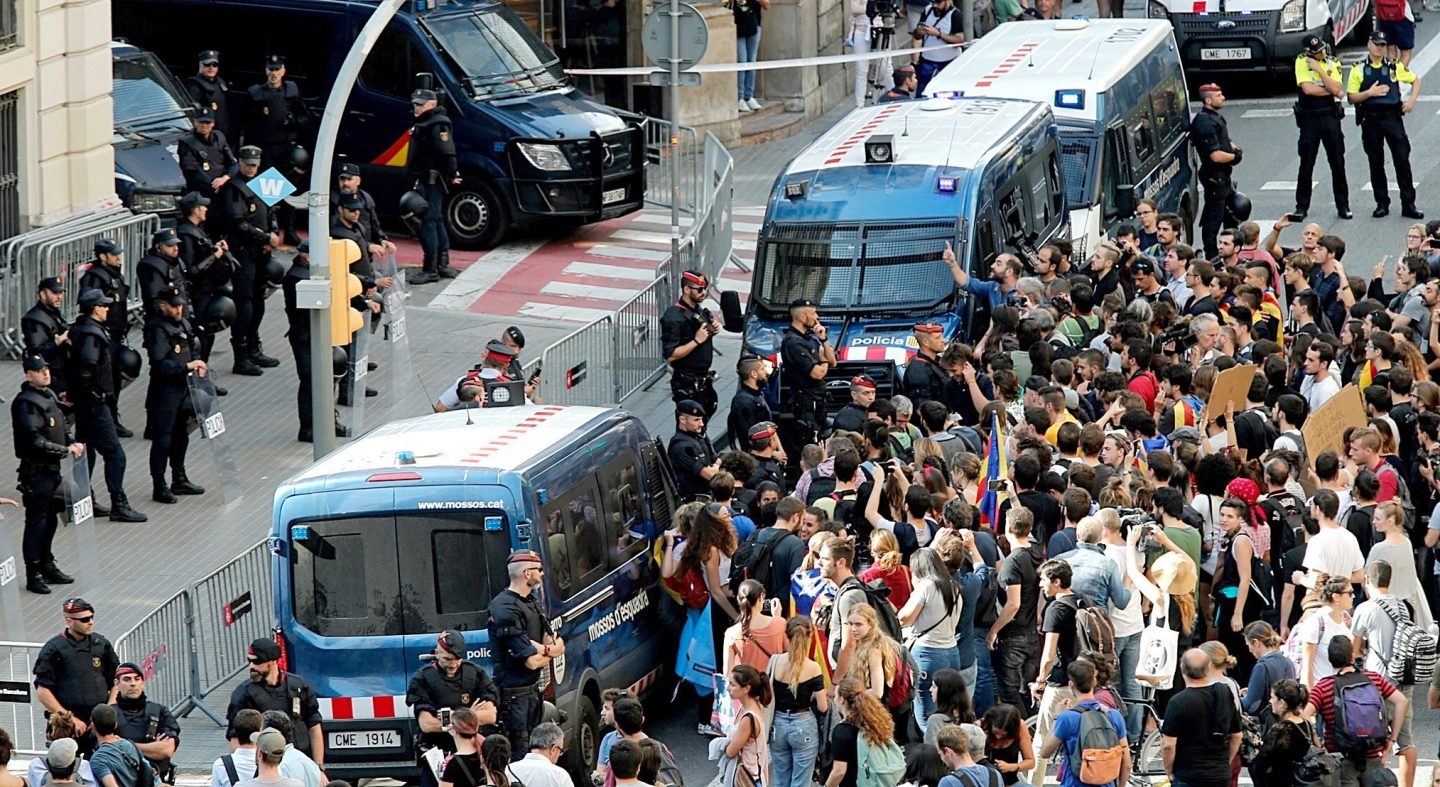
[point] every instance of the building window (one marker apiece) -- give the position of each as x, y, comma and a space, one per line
9, 154
9, 25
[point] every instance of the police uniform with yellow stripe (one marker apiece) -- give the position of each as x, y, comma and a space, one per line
1382, 123
1317, 113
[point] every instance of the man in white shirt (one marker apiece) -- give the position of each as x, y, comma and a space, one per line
270, 748
239, 764
296, 764
1333, 551
539, 768
1319, 384
1372, 633
1129, 620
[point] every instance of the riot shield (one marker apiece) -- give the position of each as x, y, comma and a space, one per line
400, 365
80, 516
212, 430
10, 577
357, 370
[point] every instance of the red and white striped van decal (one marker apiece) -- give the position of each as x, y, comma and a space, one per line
645, 682
1014, 59
361, 708
900, 355
863, 133
509, 436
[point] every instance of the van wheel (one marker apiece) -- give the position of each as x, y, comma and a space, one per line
583, 752
475, 216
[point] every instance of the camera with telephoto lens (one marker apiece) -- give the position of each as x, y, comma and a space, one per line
1136, 517
1062, 305
1178, 334
887, 10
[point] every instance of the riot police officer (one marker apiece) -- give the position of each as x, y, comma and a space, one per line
160, 272
346, 225
44, 330
205, 156
924, 379
1374, 88
448, 682
348, 182
691, 455
75, 670
805, 356
687, 340
252, 233
1317, 113
524, 645
208, 265
210, 91
170, 344
749, 407
273, 689
92, 394
298, 335
1218, 157
433, 164
41, 441
277, 119
105, 275
149, 725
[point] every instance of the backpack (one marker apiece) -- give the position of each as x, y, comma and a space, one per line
1360, 724
1093, 630
877, 595
879, 766
1088, 330
900, 691
1390, 10
1402, 493
755, 559
820, 486
1294, 648
1413, 650
1098, 753
669, 775
987, 608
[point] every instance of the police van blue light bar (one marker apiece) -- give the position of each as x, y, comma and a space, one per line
945, 184
948, 94
1071, 98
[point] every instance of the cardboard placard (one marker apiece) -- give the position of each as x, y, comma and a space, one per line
1233, 384
1324, 429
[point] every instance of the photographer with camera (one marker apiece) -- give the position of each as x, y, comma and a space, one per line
938, 25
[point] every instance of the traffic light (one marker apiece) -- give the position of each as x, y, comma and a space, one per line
345, 319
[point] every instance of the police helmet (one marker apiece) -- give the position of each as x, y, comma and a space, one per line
220, 315
1239, 206
413, 205
129, 360
339, 361
299, 156
274, 272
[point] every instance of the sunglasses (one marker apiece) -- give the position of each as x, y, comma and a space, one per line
85, 619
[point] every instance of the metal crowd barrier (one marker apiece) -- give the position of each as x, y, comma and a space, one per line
579, 369
664, 141
20, 713
637, 360
195, 643
62, 250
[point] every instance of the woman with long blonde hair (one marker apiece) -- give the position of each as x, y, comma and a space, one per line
872, 655
860, 714
799, 686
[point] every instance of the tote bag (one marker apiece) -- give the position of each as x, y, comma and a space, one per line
1158, 645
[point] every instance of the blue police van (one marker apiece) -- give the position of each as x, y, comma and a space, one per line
405, 532
858, 221
531, 147
151, 115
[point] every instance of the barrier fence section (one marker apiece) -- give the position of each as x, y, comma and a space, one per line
62, 250
20, 713
162, 645
637, 338
579, 369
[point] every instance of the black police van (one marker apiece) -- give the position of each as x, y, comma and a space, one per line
151, 115
531, 147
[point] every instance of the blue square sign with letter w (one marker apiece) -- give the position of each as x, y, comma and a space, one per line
271, 187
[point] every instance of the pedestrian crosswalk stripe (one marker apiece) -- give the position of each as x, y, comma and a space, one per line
1284, 185
553, 311
1391, 186
589, 292
603, 271
1268, 113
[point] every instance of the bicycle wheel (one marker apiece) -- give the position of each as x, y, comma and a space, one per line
1149, 762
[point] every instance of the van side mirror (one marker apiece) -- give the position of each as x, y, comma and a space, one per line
1124, 200
731, 311
424, 81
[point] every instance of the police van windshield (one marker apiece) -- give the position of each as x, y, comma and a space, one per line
496, 52
147, 103
883, 266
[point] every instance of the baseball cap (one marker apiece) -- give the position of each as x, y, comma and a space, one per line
204, 115
800, 303
208, 57
352, 202
1379, 37
524, 556
1209, 87
165, 237
91, 298
269, 741
862, 381
174, 297
263, 650
761, 431
515, 335
348, 169
129, 668
62, 753
34, 363
77, 604
694, 279
107, 246
193, 200
52, 283
422, 96
274, 61
689, 407
928, 327
452, 642
1313, 45
250, 154
497, 352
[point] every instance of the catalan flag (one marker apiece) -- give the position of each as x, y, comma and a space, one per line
996, 468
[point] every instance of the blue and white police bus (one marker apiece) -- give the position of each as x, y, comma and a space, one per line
858, 222
1118, 93
405, 532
